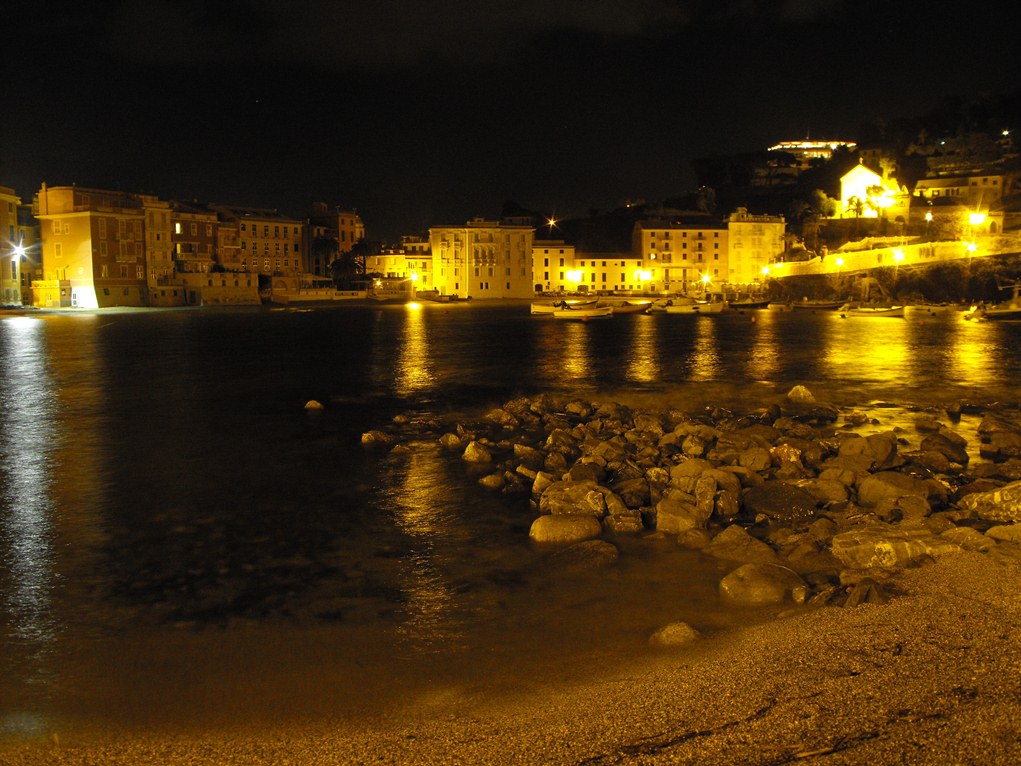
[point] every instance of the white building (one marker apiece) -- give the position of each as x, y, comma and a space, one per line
483, 259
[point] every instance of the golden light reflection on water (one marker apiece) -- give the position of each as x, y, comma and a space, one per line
705, 356
970, 353
421, 508
643, 355
764, 354
872, 346
576, 361
413, 370
26, 515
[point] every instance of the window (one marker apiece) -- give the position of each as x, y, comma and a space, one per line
56, 226
177, 227
56, 250
194, 229
104, 270
124, 271
209, 229
139, 273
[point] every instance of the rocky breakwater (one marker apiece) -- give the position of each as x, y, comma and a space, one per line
807, 504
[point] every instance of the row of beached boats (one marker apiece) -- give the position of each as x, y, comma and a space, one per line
596, 308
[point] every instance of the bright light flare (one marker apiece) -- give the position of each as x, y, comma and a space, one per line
976, 219
575, 276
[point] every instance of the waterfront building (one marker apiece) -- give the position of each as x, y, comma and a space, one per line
93, 248
552, 262
680, 257
194, 236
19, 257
344, 227
270, 242
754, 242
483, 258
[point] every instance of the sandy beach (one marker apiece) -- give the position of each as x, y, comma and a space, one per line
932, 677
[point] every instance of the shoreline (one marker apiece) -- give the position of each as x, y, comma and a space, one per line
930, 677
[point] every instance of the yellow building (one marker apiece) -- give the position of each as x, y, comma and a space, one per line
552, 261
18, 254
93, 248
483, 259
677, 257
754, 241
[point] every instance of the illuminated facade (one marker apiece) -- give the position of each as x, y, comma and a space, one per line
270, 244
754, 241
93, 248
807, 150
18, 251
194, 237
676, 257
483, 259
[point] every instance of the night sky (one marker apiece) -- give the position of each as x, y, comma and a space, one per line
419, 113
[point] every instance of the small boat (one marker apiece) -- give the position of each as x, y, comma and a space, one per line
1004, 311
712, 307
934, 309
681, 306
852, 310
629, 307
817, 305
583, 312
545, 308
779, 306
749, 303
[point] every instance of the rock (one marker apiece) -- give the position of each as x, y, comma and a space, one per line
476, 453
564, 529
492, 480
969, 539
1003, 504
1001, 445
735, 544
891, 485
625, 522
633, 492
856, 418
314, 406
676, 513
800, 395
809, 555
674, 634
569, 498
380, 438
755, 459
587, 472
866, 591
824, 491
502, 418
696, 539
881, 545
779, 500
1006, 533
950, 449
926, 423
530, 455
763, 585
881, 449
450, 441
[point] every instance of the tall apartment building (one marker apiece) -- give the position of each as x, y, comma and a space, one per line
676, 257
93, 248
270, 244
755, 240
483, 259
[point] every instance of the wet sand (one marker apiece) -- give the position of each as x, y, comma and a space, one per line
932, 677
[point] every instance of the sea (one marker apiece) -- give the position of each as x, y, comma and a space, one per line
184, 546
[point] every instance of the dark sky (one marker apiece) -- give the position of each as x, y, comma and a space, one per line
418, 113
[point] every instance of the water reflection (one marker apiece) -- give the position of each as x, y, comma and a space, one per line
764, 356
970, 352
564, 352
874, 349
643, 353
705, 356
26, 513
413, 371
421, 508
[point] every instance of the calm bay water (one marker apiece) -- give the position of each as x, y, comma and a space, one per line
181, 544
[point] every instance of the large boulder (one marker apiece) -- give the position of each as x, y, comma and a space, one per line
1002, 504
564, 529
735, 544
477, 453
779, 500
879, 545
678, 512
880, 449
763, 585
891, 486
568, 498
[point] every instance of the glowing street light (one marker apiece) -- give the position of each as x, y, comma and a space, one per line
575, 276
976, 219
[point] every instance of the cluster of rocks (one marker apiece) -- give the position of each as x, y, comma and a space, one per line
805, 508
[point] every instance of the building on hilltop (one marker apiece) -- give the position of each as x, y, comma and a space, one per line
483, 258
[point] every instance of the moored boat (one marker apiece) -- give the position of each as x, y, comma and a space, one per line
583, 312
872, 311
1005, 311
629, 307
682, 305
807, 305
